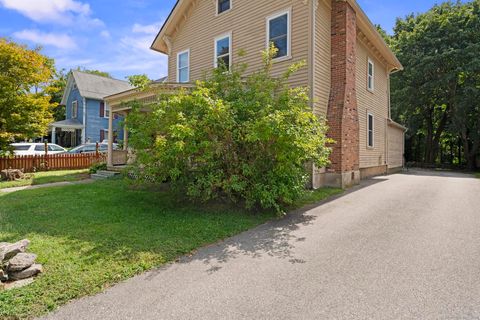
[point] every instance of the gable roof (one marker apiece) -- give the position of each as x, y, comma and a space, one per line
93, 86
161, 42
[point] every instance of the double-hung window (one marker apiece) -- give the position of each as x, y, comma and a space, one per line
371, 76
278, 32
107, 110
74, 109
223, 5
370, 131
223, 49
183, 66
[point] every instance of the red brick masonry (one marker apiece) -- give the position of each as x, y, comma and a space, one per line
342, 112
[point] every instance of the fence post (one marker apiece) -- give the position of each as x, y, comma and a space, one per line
46, 154
97, 154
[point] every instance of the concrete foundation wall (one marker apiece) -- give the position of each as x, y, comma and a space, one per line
366, 173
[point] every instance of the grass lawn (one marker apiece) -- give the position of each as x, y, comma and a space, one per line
91, 236
47, 177
477, 175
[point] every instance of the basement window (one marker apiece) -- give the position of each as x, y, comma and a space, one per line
371, 76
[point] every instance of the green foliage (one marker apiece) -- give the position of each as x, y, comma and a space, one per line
25, 78
96, 72
57, 88
437, 96
139, 81
384, 34
97, 167
246, 138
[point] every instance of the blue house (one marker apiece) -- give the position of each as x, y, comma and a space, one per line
86, 111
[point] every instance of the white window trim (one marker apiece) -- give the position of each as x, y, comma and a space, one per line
105, 109
370, 62
215, 57
369, 114
216, 8
105, 135
288, 12
75, 114
188, 65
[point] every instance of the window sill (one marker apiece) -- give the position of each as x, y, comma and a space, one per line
222, 13
282, 59
372, 91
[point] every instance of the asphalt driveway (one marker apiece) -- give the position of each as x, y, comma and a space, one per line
400, 247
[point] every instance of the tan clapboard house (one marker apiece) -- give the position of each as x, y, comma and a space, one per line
348, 70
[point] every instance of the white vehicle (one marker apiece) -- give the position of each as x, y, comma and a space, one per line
31, 149
92, 148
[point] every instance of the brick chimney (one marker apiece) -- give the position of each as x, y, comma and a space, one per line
342, 114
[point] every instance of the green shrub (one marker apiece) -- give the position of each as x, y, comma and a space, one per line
245, 138
97, 167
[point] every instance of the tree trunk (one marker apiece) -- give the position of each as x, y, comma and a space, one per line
438, 135
471, 155
429, 138
471, 162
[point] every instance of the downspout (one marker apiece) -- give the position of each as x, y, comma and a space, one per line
387, 154
311, 64
84, 132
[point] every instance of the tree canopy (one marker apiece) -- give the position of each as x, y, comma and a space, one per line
140, 81
96, 72
25, 92
58, 86
437, 95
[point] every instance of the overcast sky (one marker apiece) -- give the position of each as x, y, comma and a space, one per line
115, 35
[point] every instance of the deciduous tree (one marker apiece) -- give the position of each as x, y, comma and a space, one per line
433, 96
25, 80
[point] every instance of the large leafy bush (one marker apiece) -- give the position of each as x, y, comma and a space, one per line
250, 139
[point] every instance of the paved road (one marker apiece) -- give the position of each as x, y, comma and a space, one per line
401, 247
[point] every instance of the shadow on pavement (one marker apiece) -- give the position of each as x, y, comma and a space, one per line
275, 238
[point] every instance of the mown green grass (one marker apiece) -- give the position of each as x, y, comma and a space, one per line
91, 236
46, 177
315, 196
477, 175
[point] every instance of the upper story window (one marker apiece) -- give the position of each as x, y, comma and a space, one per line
370, 131
278, 31
371, 76
74, 109
183, 66
223, 5
223, 45
104, 110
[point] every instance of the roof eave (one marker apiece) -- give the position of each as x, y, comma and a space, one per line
367, 27
158, 43
396, 124
365, 24
67, 90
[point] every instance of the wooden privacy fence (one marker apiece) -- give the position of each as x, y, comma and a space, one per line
51, 162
